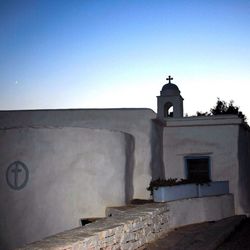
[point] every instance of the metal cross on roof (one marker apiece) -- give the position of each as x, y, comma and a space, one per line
169, 79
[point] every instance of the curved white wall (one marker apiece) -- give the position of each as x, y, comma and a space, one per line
73, 173
136, 122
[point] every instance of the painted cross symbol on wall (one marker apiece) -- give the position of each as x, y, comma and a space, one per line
16, 170
17, 175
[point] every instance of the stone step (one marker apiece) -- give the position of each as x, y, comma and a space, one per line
205, 236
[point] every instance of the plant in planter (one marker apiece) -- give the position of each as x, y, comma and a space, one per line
155, 184
172, 189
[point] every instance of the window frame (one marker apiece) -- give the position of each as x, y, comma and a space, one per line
197, 157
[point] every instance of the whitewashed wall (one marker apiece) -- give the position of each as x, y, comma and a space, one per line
73, 173
138, 123
216, 137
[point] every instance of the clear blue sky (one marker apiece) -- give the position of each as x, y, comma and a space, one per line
83, 54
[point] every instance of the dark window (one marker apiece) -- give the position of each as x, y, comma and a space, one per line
198, 169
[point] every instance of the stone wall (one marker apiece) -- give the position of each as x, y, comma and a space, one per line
133, 227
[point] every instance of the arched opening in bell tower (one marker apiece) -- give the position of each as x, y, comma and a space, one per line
168, 110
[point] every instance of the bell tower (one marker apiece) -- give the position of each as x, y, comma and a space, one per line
170, 101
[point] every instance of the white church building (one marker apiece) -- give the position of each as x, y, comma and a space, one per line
58, 166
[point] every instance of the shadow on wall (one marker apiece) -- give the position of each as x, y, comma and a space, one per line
129, 167
244, 169
156, 139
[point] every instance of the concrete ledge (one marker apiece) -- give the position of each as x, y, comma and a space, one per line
190, 211
134, 226
196, 210
204, 121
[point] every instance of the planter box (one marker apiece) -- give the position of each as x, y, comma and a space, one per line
213, 188
171, 193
